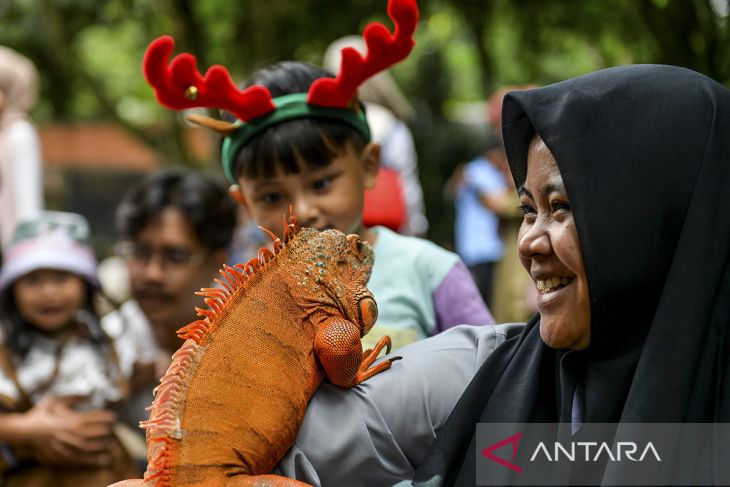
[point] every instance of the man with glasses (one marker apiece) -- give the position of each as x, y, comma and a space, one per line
176, 227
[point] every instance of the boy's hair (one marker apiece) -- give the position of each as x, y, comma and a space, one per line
203, 201
179, 85
288, 145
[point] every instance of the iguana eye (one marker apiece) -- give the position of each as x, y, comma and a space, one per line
356, 244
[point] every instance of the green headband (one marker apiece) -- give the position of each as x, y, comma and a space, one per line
288, 107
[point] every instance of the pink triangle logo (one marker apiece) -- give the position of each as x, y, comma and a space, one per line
487, 452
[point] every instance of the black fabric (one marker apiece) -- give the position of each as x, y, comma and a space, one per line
644, 152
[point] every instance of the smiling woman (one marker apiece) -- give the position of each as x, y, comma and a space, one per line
623, 184
549, 250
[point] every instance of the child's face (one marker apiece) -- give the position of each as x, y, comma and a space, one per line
49, 299
321, 197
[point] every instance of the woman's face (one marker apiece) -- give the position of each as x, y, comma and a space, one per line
49, 299
549, 250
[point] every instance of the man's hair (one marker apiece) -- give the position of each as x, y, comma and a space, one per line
203, 201
313, 141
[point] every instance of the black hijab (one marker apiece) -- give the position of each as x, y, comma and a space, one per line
644, 152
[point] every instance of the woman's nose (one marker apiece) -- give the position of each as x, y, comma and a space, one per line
535, 241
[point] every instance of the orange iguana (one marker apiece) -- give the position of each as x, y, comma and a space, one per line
234, 397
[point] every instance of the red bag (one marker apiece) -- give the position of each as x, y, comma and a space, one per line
385, 204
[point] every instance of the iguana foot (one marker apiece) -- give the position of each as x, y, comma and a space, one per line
369, 356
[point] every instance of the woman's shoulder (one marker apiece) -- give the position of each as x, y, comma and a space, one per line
464, 343
374, 433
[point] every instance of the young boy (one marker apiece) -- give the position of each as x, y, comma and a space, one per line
309, 148
321, 168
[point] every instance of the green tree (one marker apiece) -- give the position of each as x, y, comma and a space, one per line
89, 54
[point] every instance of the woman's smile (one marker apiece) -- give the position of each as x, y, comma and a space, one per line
549, 250
551, 284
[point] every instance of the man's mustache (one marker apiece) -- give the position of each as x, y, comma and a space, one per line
152, 292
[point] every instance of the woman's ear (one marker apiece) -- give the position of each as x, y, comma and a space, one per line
371, 163
234, 191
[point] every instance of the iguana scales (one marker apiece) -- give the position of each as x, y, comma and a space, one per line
234, 397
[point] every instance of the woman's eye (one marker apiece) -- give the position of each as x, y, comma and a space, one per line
527, 209
559, 205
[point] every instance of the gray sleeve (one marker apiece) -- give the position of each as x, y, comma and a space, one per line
377, 433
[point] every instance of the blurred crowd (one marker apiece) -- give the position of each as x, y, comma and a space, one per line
84, 343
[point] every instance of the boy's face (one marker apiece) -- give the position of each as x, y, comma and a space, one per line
321, 197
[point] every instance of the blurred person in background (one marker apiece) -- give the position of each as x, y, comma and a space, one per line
176, 227
387, 111
514, 298
60, 377
247, 239
481, 193
21, 182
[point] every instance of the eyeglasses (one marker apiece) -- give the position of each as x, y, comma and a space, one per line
171, 258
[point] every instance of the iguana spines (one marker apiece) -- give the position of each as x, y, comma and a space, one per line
163, 425
234, 397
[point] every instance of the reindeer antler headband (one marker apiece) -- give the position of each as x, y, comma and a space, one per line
179, 85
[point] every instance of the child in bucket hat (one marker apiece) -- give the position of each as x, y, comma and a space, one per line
52, 240
59, 373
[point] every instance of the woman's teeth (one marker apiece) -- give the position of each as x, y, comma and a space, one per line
551, 284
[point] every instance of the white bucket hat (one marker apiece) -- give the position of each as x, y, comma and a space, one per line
49, 240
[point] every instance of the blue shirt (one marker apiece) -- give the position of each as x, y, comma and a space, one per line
477, 228
421, 289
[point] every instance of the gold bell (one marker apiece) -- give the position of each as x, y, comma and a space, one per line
191, 93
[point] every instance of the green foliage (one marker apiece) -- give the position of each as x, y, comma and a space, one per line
89, 54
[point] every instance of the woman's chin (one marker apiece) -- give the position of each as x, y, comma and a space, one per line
560, 336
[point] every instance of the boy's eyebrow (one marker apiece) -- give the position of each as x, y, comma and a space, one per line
263, 182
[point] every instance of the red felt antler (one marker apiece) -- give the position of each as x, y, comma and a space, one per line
179, 85
384, 50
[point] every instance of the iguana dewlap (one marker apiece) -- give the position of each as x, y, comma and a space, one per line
234, 397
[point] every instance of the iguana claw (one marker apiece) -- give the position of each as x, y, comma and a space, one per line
370, 355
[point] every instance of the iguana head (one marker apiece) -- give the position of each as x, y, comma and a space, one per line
331, 270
